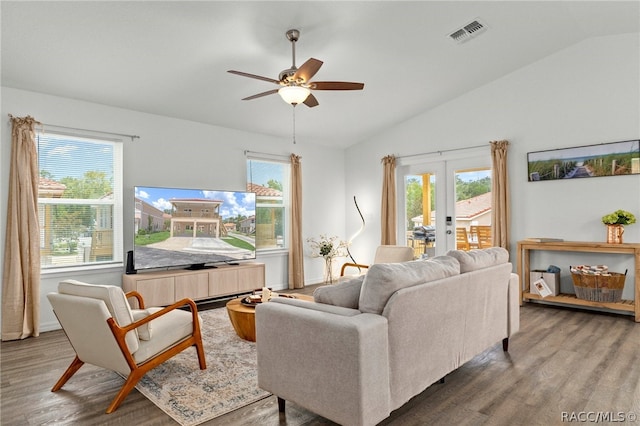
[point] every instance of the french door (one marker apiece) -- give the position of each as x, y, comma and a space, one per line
444, 202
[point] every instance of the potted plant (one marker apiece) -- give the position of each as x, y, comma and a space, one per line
327, 248
615, 225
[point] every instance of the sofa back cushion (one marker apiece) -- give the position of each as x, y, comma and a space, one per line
384, 279
479, 259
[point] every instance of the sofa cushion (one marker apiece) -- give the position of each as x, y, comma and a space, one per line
384, 279
479, 259
345, 293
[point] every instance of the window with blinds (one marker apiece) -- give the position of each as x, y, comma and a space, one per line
270, 181
79, 200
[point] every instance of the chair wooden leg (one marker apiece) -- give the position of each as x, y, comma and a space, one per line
129, 384
75, 366
505, 344
201, 359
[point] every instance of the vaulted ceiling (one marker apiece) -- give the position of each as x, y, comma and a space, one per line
171, 58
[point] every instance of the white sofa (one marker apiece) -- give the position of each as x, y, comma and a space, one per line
374, 342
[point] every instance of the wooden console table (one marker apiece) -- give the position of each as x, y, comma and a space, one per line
523, 269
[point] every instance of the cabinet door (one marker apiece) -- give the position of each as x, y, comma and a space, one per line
251, 278
223, 281
193, 286
157, 291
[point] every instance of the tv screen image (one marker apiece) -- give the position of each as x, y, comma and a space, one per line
192, 227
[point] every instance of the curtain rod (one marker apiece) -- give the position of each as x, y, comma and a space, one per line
247, 152
442, 151
132, 137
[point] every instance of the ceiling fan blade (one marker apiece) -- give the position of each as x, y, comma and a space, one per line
259, 95
311, 101
259, 77
308, 70
336, 85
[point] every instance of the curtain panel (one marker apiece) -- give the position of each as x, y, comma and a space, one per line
296, 253
500, 198
21, 273
388, 208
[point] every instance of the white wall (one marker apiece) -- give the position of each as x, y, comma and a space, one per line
583, 95
179, 153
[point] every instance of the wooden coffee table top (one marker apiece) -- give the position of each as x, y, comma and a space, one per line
243, 317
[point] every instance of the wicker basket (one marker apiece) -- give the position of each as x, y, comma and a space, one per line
599, 288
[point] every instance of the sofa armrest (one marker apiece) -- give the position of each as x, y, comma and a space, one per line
332, 309
514, 305
334, 364
346, 293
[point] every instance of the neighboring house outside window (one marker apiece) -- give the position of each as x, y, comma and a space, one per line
79, 201
270, 181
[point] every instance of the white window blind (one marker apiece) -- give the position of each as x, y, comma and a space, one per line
79, 200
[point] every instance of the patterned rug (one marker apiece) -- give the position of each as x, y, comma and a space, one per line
192, 396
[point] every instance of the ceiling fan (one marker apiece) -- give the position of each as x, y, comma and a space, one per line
295, 83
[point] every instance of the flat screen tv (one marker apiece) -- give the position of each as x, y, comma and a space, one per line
192, 228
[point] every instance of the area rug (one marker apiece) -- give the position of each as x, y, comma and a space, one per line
192, 396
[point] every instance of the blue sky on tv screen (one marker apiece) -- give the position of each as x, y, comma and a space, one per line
233, 203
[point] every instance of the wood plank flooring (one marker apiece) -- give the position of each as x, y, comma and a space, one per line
562, 361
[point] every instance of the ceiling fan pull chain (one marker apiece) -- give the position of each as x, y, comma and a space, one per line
294, 124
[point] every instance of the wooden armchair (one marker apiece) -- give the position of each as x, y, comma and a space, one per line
384, 254
462, 239
484, 237
104, 331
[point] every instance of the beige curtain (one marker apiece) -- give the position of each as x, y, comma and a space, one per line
296, 254
21, 274
388, 211
500, 199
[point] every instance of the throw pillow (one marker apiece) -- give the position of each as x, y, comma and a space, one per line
384, 279
144, 331
345, 293
479, 259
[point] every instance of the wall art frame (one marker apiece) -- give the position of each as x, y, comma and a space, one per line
605, 159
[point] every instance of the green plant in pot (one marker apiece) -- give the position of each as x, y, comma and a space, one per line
615, 225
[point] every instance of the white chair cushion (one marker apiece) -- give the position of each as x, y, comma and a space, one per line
393, 254
112, 296
144, 331
168, 329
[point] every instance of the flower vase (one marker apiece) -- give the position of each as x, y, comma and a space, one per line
614, 234
328, 270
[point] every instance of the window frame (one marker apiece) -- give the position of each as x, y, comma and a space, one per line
116, 203
284, 205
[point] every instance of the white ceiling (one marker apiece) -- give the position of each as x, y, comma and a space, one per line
171, 58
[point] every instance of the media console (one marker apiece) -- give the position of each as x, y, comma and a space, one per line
162, 288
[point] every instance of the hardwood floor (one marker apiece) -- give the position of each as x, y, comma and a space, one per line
561, 361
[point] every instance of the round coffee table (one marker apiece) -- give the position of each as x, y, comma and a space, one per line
243, 317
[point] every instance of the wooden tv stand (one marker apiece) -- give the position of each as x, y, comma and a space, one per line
523, 269
160, 288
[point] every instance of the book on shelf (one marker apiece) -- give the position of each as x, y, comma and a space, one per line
543, 239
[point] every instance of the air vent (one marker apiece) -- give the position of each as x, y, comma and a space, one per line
469, 31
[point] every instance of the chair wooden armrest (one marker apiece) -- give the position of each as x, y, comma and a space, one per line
192, 307
353, 265
137, 296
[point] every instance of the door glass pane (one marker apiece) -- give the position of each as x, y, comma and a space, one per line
473, 209
420, 222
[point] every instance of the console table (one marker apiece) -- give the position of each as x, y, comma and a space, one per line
161, 288
523, 268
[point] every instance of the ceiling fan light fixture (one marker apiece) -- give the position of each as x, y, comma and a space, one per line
294, 95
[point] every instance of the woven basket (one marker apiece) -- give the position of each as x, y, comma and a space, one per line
599, 288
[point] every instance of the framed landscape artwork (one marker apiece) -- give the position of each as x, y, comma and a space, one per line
606, 159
